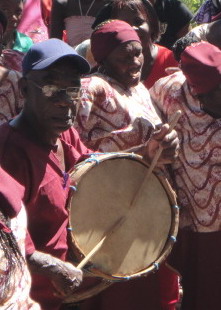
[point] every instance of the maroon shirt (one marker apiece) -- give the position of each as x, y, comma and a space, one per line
38, 169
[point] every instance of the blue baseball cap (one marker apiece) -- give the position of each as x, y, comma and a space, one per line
43, 54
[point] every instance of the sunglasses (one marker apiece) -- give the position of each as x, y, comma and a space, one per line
53, 90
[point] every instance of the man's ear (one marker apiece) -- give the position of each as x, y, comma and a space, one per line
22, 84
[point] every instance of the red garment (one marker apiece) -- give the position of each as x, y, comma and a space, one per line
169, 287
197, 257
46, 11
12, 59
37, 167
10, 204
163, 60
137, 294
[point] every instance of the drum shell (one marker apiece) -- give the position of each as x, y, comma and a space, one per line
89, 224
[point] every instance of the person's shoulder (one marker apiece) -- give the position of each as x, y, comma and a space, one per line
166, 55
12, 76
164, 52
95, 82
163, 49
170, 84
70, 136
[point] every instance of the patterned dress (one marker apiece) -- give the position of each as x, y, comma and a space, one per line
197, 172
11, 101
20, 282
112, 118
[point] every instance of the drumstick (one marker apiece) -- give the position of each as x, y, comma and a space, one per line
122, 219
156, 157
159, 151
117, 224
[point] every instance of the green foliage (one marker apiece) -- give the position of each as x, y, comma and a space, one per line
193, 5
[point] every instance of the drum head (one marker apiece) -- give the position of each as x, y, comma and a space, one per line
104, 195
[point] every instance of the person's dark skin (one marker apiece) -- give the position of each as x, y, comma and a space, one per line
139, 21
13, 11
66, 8
210, 102
44, 119
124, 64
213, 33
48, 117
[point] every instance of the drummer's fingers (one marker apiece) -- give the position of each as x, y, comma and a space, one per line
170, 140
165, 137
170, 154
66, 289
160, 134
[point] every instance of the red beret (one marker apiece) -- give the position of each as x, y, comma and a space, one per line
201, 64
108, 35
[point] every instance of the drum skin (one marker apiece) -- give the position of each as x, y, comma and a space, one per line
104, 187
104, 195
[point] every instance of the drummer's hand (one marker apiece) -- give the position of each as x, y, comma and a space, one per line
64, 276
168, 141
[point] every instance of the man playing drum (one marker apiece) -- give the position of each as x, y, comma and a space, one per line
38, 148
196, 173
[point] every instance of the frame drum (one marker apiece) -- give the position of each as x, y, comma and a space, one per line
105, 186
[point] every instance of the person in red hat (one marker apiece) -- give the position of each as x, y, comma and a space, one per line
116, 114
196, 90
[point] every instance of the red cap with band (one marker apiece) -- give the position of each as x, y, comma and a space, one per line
108, 35
201, 64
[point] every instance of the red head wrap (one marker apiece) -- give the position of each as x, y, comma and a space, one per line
108, 36
201, 64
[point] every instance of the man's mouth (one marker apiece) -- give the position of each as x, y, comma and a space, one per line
134, 73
